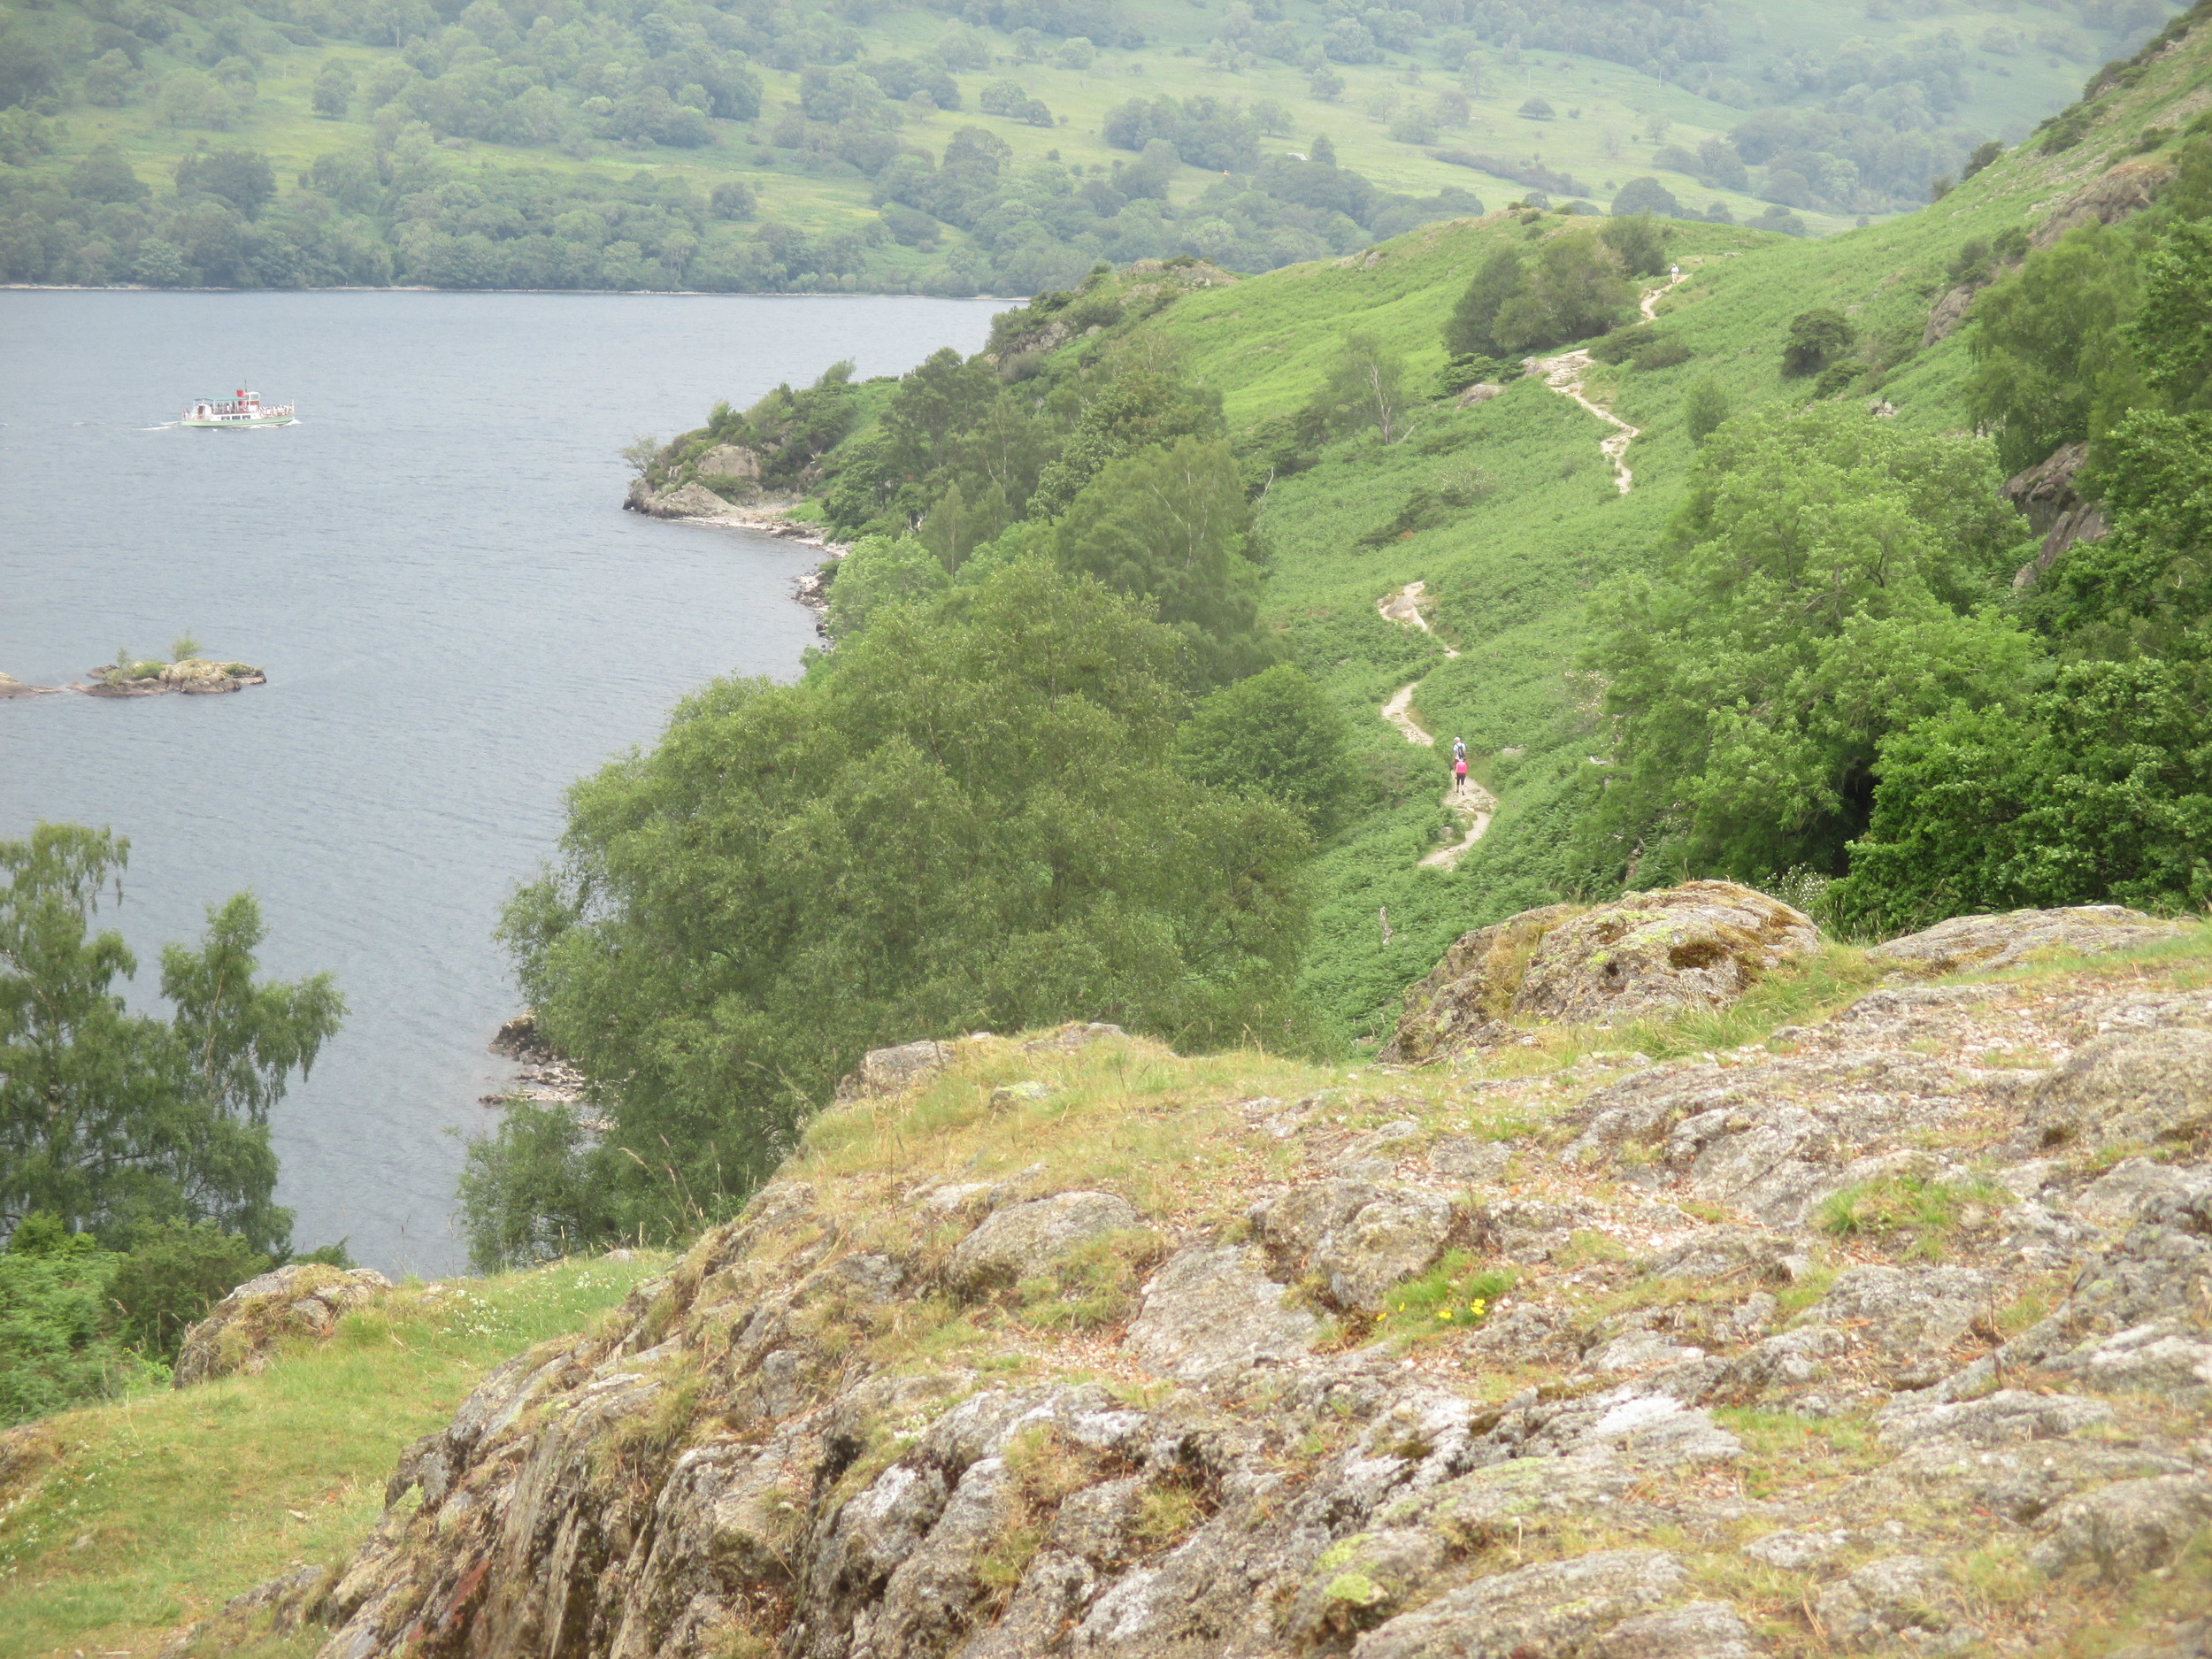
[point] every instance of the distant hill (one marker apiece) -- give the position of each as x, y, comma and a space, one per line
1006, 148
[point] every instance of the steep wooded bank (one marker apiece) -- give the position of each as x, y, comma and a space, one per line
1878, 1319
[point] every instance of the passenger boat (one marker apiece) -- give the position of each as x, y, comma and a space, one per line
242, 409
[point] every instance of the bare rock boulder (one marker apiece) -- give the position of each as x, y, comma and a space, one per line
1357, 1238
1967, 943
1701, 945
2126, 1529
1212, 1308
2129, 1087
241, 1331
1465, 999
894, 1071
1553, 1608
1023, 1241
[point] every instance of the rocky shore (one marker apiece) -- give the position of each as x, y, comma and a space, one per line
11, 687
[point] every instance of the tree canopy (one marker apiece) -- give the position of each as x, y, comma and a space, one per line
1830, 580
110, 1119
973, 818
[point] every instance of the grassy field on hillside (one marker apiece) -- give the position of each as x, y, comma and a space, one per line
119, 1523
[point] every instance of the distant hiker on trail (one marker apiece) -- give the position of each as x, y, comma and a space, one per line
1459, 773
1459, 748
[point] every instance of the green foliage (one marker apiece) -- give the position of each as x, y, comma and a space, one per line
1469, 332
1366, 388
1704, 410
2172, 332
529, 1193
2097, 791
880, 570
1453, 1295
1817, 338
1275, 732
110, 1118
1639, 242
1575, 291
57, 1340
1171, 525
2053, 362
973, 819
1908, 1212
1829, 582
173, 1273
240, 177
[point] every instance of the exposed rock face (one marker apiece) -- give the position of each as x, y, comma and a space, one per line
1948, 313
1024, 1240
11, 687
891, 1070
1700, 945
2112, 196
689, 499
1467, 998
2045, 496
1968, 943
241, 1331
841, 1428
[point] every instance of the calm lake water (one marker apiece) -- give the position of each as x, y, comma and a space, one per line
456, 617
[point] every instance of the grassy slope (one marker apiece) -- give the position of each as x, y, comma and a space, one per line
1506, 578
1615, 104
156, 1510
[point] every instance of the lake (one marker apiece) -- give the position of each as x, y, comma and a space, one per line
456, 617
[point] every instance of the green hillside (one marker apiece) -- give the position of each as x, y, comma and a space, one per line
1506, 511
582, 144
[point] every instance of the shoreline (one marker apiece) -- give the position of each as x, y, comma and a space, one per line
810, 589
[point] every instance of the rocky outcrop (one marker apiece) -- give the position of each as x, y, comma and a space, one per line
194, 677
688, 499
2109, 197
243, 1331
1948, 313
2045, 496
1828, 1343
2009, 938
11, 687
1700, 945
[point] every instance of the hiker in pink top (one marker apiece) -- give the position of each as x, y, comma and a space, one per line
1459, 774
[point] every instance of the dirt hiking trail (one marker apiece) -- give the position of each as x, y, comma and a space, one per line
1475, 805
1566, 373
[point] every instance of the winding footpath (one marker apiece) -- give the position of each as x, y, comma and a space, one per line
1475, 805
1565, 374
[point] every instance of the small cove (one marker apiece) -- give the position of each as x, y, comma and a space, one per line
456, 618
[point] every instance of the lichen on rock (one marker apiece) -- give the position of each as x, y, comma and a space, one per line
1820, 1344
1700, 945
245, 1331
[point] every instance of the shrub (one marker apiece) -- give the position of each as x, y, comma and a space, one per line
1816, 337
172, 1274
527, 1194
1704, 408
1639, 241
1278, 734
